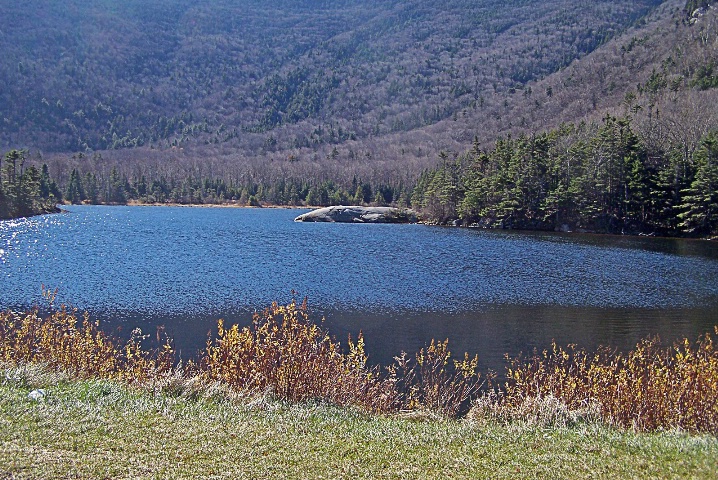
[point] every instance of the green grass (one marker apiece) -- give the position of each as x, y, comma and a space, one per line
101, 429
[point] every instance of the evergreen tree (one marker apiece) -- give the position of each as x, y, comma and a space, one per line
91, 188
75, 192
22, 192
10, 184
28, 193
116, 188
700, 210
4, 199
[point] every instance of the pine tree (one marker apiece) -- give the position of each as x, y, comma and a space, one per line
75, 192
700, 207
24, 191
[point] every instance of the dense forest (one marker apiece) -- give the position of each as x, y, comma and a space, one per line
114, 188
290, 78
578, 177
25, 191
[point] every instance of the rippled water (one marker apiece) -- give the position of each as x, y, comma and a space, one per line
488, 291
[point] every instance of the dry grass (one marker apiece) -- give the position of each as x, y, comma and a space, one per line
652, 387
542, 412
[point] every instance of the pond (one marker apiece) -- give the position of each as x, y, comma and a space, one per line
488, 292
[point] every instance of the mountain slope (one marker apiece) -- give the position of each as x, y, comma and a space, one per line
642, 159
333, 95
259, 78
652, 72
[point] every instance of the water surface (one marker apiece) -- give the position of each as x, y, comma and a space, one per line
489, 292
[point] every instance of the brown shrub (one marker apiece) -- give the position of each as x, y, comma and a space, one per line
282, 353
286, 354
649, 388
64, 342
432, 382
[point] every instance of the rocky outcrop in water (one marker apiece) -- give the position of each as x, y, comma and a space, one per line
356, 214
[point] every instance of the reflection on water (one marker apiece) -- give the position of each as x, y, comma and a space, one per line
491, 332
489, 292
515, 329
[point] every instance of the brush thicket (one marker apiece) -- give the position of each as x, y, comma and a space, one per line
64, 341
284, 354
651, 387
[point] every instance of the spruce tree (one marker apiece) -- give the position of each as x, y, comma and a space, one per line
700, 207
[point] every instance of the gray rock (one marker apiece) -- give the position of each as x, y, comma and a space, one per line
357, 214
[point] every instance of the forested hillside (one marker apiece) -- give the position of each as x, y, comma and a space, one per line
651, 167
319, 103
253, 78
259, 76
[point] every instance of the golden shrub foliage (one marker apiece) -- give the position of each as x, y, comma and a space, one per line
63, 341
286, 354
282, 353
649, 388
432, 382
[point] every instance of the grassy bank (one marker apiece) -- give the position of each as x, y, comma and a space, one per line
283, 399
103, 429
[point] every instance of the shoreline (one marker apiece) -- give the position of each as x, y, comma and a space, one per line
134, 203
210, 205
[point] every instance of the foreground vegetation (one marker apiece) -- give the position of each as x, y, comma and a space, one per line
288, 356
283, 398
103, 429
283, 353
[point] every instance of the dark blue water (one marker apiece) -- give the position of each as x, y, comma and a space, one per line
489, 292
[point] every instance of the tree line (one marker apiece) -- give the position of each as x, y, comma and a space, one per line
25, 191
94, 187
590, 176
593, 177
